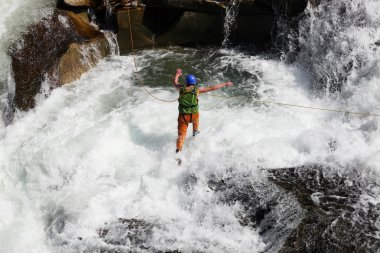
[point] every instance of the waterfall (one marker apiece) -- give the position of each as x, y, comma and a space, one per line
230, 20
109, 8
339, 44
112, 42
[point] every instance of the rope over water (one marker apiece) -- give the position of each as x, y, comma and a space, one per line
141, 83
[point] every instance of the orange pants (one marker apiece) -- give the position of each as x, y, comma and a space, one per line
183, 122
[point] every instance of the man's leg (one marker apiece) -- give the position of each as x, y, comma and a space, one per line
195, 124
182, 129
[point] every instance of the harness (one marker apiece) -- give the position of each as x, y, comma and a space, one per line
188, 101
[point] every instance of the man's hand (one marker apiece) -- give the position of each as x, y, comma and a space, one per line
215, 87
228, 84
178, 72
176, 83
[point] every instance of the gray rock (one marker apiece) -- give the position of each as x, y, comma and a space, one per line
336, 219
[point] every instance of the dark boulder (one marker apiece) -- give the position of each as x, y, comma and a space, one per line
323, 209
63, 5
336, 218
100, 12
36, 57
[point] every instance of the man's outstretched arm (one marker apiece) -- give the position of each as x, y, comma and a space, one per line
215, 87
176, 77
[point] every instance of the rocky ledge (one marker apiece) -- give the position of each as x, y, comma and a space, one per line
54, 51
340, 214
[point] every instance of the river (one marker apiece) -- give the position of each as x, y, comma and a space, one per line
102, 149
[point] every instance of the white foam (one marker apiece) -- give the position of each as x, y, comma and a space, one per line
102, 149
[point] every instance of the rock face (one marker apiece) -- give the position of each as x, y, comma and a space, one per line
80, 58
90, 3
339, 214
328, 209
168, 27
78, 2
164, 27
247, 7
58, 48
199, 22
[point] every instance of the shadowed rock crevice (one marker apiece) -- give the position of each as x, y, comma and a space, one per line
247, 7
161, 21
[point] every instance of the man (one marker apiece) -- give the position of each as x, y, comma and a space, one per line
188, 104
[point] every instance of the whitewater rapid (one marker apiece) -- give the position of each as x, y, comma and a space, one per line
101, 149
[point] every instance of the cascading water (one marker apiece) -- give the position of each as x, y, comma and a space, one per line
340, 46
232, 10
112, 42
92, 169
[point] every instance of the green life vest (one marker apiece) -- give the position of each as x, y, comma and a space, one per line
188, 100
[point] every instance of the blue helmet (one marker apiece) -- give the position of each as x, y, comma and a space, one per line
191, 80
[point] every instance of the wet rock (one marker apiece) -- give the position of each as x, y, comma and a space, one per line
264, 206
49, 50
165, 27
79, 59
215, 6
128, 235
61, 4
314, 3
336, 219
105, 19
153, 28
78, 2
328, 209
195, 22
89, 3
130, 232
188, 5
247, 7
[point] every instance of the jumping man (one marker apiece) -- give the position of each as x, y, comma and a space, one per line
188, 104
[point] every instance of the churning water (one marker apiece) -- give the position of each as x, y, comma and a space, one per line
96, 158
